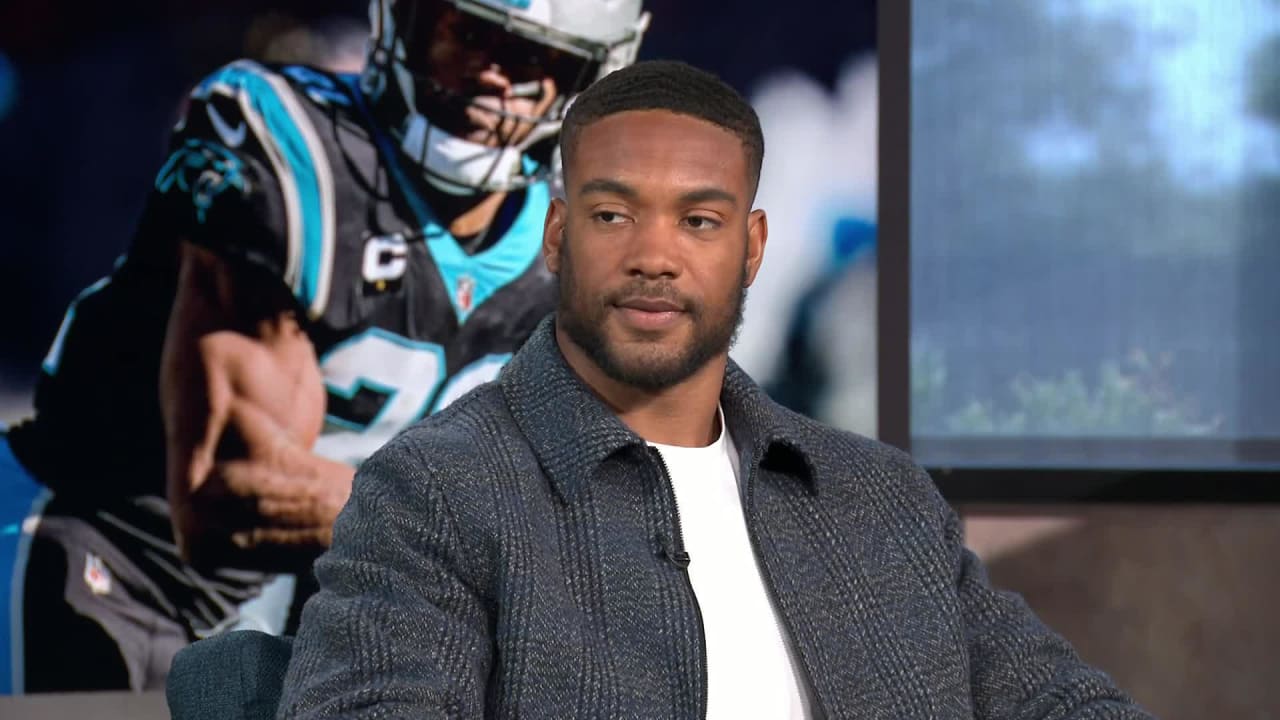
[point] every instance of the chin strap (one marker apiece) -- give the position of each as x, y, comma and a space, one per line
460, 167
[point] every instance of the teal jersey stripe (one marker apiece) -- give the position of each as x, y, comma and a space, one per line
53, 358
286, 134
489, 271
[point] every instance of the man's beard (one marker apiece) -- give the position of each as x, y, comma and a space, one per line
583, 320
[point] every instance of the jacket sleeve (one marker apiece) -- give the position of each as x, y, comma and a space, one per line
395, 630
1019, 668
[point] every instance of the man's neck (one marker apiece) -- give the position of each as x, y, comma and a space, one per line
466, 216
684, 414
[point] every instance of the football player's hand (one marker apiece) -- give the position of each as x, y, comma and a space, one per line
243, 401
267, 488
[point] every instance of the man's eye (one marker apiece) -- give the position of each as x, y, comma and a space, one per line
700, 222
608, 217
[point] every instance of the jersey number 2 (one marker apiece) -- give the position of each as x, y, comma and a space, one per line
379, 383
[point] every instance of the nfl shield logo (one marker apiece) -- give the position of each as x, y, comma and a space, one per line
96, 575
466, 293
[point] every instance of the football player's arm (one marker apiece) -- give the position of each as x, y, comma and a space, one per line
243, 401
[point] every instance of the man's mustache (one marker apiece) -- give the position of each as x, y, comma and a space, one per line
652, 291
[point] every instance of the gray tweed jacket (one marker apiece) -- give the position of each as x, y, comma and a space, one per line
518, 555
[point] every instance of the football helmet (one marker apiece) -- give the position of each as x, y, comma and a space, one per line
571, 42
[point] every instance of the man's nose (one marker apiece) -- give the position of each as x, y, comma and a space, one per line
655, 252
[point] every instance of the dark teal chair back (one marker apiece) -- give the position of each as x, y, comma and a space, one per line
235, 676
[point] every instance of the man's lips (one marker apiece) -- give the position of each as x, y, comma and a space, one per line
650, 313
656, 305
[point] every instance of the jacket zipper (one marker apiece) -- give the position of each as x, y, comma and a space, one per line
680, 558
766, 574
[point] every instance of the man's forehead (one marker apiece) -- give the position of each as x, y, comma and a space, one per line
638, 145
691, 189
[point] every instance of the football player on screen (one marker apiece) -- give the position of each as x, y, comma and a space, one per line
324, 260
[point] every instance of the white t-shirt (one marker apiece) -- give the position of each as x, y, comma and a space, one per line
752, 671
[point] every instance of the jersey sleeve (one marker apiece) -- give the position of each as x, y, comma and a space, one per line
247, 177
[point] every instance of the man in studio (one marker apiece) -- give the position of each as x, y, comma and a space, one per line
624, 525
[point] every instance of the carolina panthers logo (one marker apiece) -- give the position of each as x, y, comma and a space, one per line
203, 170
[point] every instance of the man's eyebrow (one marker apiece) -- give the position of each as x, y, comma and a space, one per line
691, 197
708, 194
604, 185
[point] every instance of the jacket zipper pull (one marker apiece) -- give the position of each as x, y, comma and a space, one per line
675, 548
680, 558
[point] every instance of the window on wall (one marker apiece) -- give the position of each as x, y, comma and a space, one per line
1095, 233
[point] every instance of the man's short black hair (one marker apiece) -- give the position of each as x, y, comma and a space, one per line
672, 86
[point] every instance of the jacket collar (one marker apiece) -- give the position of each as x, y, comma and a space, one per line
572, 431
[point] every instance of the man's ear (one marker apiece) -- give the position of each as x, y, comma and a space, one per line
553, 234
757, 238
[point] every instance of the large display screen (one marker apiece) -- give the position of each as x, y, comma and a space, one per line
88, 101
